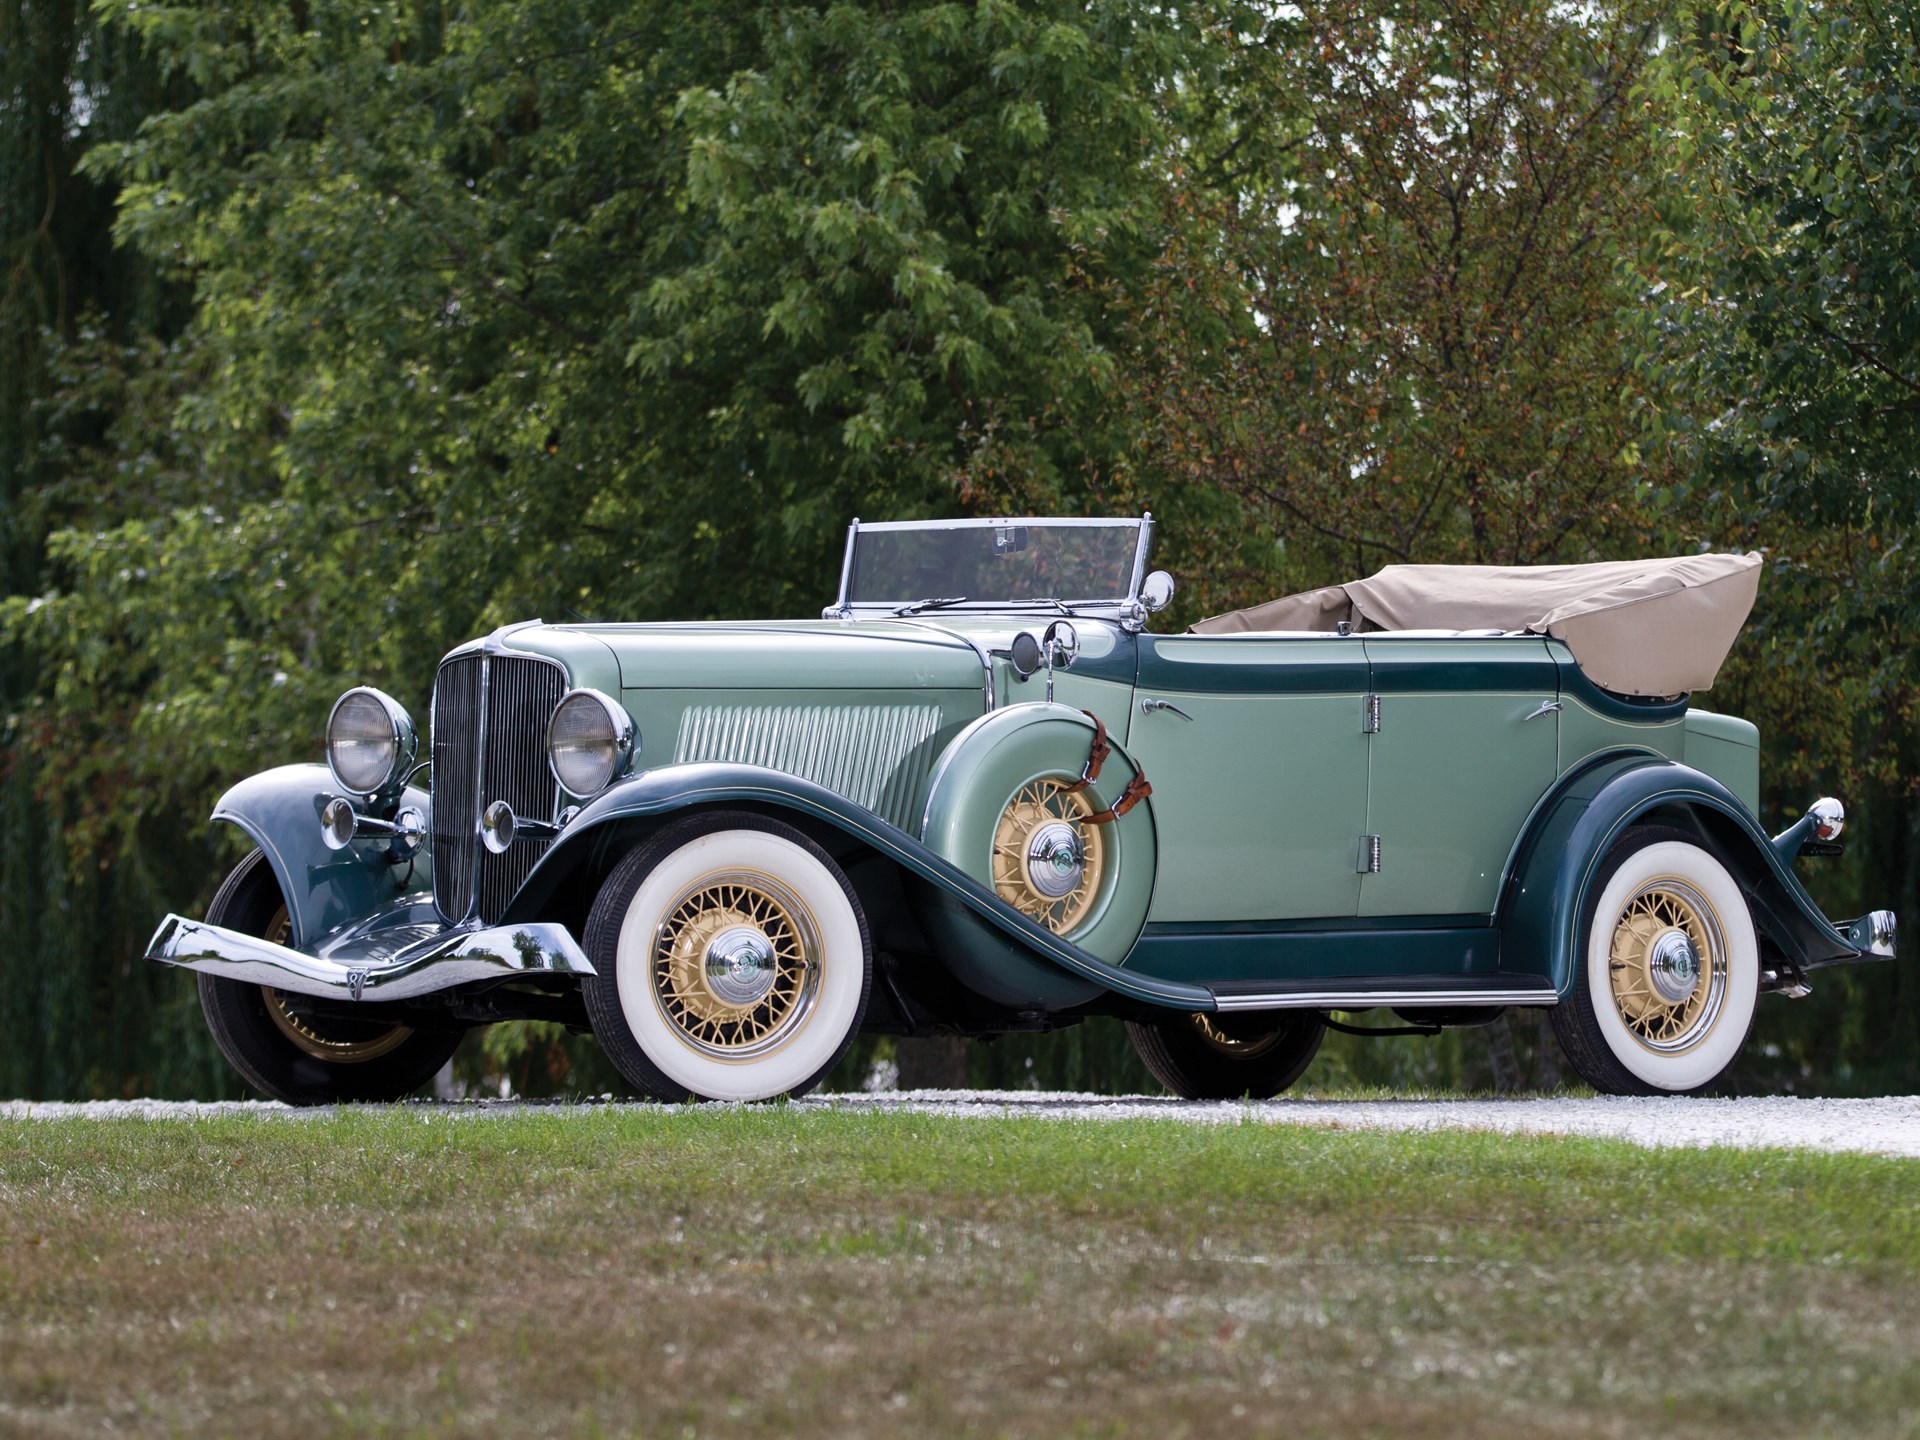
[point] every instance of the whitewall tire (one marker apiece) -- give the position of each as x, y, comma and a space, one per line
1668, 970
734, 961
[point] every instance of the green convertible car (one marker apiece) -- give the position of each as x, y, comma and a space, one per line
980, 795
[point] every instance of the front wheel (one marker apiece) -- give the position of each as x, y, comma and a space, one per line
289, 1055
733, 958
1228, 1057
1667, 970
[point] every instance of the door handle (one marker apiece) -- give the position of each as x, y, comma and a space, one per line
1547, 707
1147, 707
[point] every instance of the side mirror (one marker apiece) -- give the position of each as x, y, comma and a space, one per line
1063, 644
1156, 591
1025, 654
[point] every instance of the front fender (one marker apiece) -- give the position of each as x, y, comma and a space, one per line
325, 889
1574, 828
672, 788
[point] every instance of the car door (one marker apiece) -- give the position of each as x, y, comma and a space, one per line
1255, 749
1467, 740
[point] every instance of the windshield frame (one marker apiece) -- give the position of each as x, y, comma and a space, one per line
1126, 608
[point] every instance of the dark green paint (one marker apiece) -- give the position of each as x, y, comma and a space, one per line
1506, 665
325, 889
1181, 953
1640, 709
1593, 806
1322, 665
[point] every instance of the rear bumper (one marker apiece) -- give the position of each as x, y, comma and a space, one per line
419, 965
1872, 935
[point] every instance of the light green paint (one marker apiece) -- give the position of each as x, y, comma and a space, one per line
1585, 733
1108, 699
1260, 799
816, 655
1453, 777
1728, 749
998, 755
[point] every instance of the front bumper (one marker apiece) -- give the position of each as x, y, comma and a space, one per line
395, 963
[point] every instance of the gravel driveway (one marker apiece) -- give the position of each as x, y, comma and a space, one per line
1889, 1126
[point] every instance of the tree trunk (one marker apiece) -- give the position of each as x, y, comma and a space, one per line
936, 1064
1547, 1074
1506, 1064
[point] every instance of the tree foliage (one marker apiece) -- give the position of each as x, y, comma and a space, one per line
1409, 345
1788, 314
1784, 328
603, 307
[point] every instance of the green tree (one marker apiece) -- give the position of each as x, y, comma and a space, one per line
1785, 329
1409, 346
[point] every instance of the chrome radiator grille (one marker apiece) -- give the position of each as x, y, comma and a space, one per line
878, 756
489, 743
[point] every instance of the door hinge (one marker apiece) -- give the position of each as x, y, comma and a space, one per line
1368, 862
1369, 714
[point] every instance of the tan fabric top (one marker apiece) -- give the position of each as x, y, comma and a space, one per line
1636, 627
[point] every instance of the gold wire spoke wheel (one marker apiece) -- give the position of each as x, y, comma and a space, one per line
323, 1039
1047, 863
1215, 1035
1668, 964
735, 965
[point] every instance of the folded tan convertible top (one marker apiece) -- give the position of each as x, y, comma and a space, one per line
1636, 627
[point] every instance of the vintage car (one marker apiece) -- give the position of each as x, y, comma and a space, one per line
979, 795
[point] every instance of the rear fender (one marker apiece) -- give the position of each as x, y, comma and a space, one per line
325, 889
1574, 828
1035, 968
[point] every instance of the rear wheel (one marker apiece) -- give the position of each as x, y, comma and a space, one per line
733, 958
304, 1059
1668, 970
1226, 1057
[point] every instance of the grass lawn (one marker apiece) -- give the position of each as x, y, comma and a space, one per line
725, 1272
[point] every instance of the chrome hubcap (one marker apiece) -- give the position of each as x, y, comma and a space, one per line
1674, 966
1056, 859
740, 966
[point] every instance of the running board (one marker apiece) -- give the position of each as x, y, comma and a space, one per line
1368, 999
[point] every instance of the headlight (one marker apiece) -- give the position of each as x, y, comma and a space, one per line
590, 740
370, 741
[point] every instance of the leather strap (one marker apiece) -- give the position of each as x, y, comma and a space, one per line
1137, 790
1096, 754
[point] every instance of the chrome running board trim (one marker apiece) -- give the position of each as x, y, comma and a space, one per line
457, 956
1368, 999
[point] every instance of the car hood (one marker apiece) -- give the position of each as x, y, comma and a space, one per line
760, 655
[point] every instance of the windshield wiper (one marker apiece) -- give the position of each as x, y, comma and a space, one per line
932, 602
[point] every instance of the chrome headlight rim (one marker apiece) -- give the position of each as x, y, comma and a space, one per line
624, 736
404, 739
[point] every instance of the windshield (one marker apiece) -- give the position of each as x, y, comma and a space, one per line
993, 561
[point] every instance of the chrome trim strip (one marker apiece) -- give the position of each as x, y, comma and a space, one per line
839, 610
1368, 999
1140, 556
454, 956
487, 652
976, 523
